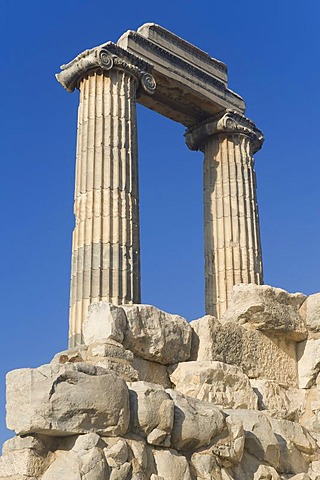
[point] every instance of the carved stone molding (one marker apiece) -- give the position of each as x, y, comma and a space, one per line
225, 122
105, 58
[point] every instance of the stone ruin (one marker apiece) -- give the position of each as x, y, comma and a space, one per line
142, 394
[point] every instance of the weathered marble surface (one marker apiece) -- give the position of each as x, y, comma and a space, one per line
96, 413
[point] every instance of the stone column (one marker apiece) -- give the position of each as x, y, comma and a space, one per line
105, 246
231, 220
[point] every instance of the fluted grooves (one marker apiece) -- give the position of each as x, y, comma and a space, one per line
232, 242
105, 258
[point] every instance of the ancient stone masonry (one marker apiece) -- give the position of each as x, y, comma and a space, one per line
106, 247
149, 396
178, 80
231, 230
142, 394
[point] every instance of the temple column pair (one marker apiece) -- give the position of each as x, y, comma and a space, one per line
106, 245
231, 222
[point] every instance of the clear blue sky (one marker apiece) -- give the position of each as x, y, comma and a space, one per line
272, 51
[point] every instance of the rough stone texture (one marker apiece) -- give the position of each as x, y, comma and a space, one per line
171, 465
264, 472
310, 310
279, 402
156, 335
67, 399
297, 447
268, 309
259, 355
230, 206
104, 321
260, 440
152, 412
113, 357
308, 353
216, 382
196, 423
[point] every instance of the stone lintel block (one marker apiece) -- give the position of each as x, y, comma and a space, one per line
199, 87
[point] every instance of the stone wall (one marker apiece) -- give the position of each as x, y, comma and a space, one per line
151, 397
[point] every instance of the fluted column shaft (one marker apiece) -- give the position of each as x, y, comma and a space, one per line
232, 244
105, 250
105, 245
231, 229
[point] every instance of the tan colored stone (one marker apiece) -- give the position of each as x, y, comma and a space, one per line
152, 412
231, 223
260, 440
120, 473
204, 466
301, 476
266, 473
229, 445
215, 382
271, 310
310, 310
104, 321
171, 465
308, 353
25, 462
259, 355
196, 423
156, 335
278, 401
112, 356
117, 454
67, 399
297, 447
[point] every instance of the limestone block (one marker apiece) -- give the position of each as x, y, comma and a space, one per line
310, 310
152, 412
156, 335
67, 399
120, 473
93, 465
112, 356
260, 440
301, 476
308, 353
268, 309
216, 382
204, 466
256, 353
73, 355
196, 423
141, 458
229, 445
151, 372
310, 418
280, 402
171, 465
264, 472
297, 447
29, 442
20, 463
314, 470
203, 333
104, 321
117, 454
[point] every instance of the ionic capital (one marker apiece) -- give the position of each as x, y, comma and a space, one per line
228, 122
104, 58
